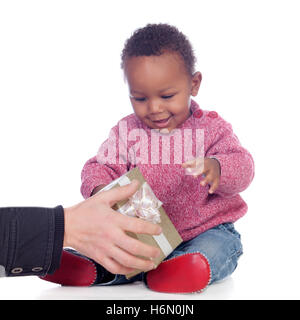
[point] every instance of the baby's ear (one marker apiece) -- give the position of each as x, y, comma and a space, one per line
196, 81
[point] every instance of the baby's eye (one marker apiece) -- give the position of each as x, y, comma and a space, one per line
168, 96
139, 99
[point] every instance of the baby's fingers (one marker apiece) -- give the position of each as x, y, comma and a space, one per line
205, 181
194, 167
214, 186
213, 183
189, 164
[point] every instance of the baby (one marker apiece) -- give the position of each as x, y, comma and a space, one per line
198, 177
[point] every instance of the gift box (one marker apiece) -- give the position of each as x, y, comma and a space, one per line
145, 205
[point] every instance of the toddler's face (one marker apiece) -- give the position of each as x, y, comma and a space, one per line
160, 89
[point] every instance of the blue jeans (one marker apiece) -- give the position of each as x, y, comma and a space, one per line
221, 246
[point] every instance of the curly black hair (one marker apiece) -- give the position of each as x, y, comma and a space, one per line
155, 39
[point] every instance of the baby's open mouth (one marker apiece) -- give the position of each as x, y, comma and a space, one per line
163, 122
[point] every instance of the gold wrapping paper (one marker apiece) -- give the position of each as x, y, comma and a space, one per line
145, 205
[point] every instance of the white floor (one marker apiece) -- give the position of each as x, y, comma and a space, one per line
238, 286
250, 281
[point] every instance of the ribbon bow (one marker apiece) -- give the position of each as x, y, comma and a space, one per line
143, 204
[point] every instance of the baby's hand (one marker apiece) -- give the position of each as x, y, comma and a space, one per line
209, 168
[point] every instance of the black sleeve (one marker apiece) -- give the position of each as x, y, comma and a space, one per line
31, 240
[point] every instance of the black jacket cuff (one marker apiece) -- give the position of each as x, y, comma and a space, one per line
31, 240
58, 238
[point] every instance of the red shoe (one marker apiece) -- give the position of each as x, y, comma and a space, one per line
74, 270
183, 274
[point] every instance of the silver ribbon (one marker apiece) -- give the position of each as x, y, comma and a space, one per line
143, 204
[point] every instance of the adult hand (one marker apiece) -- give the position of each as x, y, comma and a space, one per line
97, 231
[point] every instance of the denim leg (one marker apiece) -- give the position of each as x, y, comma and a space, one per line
221, 246
121, 279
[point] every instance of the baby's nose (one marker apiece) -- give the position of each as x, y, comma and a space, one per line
154, 107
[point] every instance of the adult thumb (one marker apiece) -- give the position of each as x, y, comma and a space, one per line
120, 193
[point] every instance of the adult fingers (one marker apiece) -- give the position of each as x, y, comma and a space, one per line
121, 193
138, 225
130, 261
115, 267
136, 247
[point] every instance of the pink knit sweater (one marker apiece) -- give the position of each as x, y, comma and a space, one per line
189, 205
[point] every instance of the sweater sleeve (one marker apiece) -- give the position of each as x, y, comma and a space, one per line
236, 163
110, 163
31, 240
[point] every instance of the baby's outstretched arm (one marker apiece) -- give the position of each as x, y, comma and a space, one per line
236, 163
227, 167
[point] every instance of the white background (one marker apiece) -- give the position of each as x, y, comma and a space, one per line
62, 89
